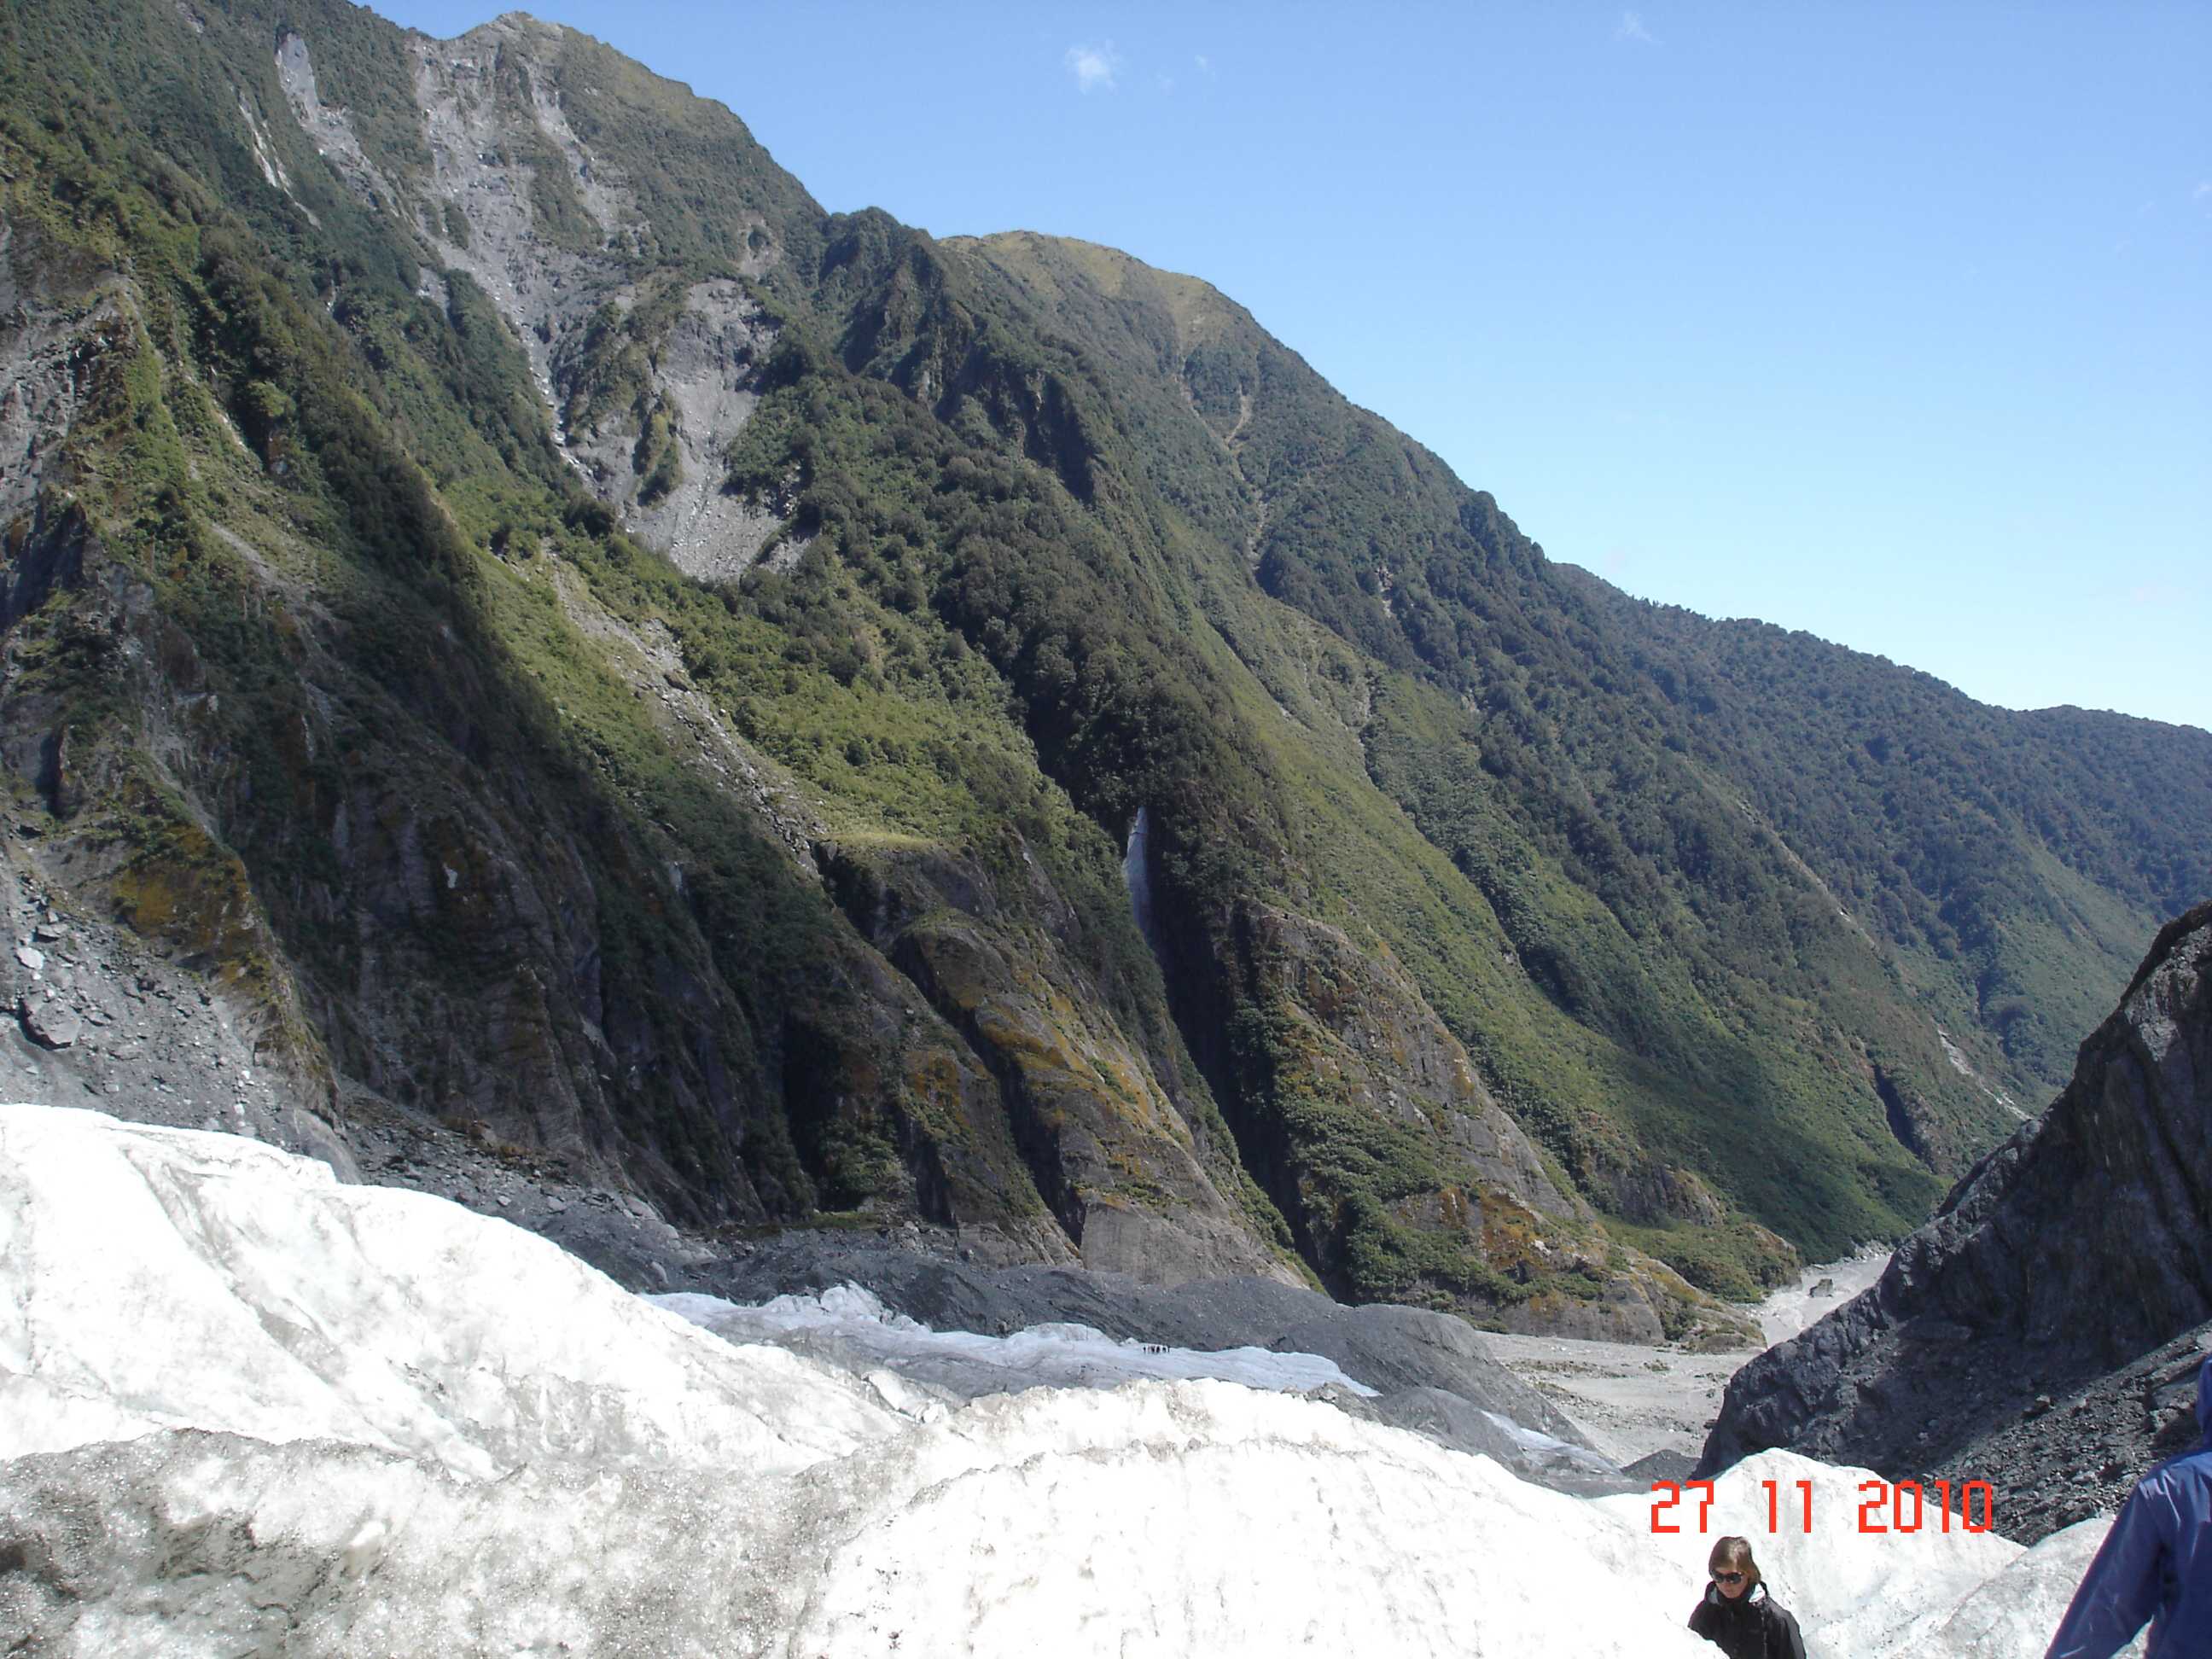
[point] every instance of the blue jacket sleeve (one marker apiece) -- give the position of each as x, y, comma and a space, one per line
2121, 1590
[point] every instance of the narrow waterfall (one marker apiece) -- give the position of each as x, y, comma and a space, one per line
1137, 876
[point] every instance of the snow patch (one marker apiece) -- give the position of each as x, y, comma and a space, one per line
171, 1279
1853, 1592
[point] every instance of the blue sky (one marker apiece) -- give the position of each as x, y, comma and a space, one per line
1890, 322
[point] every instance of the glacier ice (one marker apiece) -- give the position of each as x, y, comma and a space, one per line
244, 1408
851, 1326
171, 1278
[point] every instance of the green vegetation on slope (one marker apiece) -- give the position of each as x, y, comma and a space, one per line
1062, 538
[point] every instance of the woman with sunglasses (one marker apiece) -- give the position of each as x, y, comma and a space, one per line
1737, 1615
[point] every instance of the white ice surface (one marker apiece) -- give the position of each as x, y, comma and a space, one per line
1063, 1356
247, 1409
169, 1278
1853, 1592
2016, 1611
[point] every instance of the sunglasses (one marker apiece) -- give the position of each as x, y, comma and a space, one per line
1728, 1578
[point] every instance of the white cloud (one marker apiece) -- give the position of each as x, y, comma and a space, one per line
1630, 27
1206, 68
1166, 82
1094, 67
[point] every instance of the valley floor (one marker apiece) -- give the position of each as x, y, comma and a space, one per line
1632, 1401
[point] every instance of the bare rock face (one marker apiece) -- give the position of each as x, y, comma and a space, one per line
644, 385
2066, 1254
2062, 1458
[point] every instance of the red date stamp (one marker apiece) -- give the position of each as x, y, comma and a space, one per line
1905, 1506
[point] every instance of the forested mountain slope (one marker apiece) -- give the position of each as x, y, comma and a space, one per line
581, 640
2004, 853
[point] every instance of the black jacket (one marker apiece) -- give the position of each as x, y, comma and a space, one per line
1749, 1627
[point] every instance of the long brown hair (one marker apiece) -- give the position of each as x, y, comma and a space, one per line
1735, 1554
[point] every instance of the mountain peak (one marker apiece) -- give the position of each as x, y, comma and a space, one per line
1049, 265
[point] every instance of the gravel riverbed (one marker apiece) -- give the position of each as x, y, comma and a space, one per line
1632, 1401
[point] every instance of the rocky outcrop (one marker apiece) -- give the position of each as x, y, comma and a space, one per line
646, 382
2067, 1455
2068, 1252
104, 1017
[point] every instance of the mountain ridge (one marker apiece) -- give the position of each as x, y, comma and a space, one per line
582, 641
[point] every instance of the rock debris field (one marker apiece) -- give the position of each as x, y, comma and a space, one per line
1633, 1401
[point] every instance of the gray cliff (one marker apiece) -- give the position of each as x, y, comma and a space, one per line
2005, 1339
